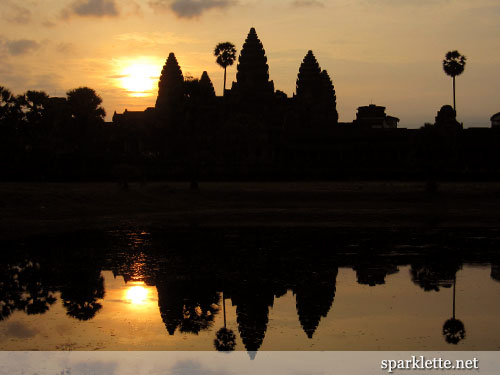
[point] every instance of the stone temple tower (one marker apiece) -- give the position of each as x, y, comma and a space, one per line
252, 84
170, 86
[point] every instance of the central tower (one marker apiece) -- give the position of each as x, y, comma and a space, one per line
252, 78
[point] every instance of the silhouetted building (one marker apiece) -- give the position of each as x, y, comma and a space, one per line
252, 314
314, 298
495, 120
170, 87
252, 86
374, 274
316, 100
374, 117
495, 272
206, 86
186, 306
434, 275
447, 119
134, 117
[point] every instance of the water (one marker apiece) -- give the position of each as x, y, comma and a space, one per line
252, 289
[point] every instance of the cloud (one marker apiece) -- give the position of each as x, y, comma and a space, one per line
16, 13
151, 40
308, 4
190, 8
20, 331
91, 8
20, 46
66, 48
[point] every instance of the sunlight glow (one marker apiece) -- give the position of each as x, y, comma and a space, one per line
137, 295
139, 79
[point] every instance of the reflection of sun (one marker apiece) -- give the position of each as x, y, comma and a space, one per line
137, 295
139, 78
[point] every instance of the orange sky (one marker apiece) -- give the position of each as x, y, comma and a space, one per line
386, 52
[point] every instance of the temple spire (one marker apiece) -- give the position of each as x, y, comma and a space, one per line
252, 77
170, 86
315, 97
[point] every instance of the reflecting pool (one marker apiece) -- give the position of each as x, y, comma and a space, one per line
252, 289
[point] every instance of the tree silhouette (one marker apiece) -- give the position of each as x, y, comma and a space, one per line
225, 339
81, 293
87, 117
34, 103
453, 329
10, 112
35, 125
85, 106
226, 55
454, 65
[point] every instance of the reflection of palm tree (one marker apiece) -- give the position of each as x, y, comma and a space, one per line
225, 339
453, 329
454, 65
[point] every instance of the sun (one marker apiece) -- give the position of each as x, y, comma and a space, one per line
137, 295
139, 79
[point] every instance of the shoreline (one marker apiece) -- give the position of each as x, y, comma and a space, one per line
49, 208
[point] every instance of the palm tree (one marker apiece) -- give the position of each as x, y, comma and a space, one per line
454, 65
226, 55
225, 339
453, 329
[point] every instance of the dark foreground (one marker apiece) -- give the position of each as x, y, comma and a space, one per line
68, 207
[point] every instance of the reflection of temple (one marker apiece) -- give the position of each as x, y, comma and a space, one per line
495, 272
374, 274
434, 275
252, 309
187, 306
314, 298
189, 274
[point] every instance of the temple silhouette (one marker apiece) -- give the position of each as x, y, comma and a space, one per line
252, 132
256, 132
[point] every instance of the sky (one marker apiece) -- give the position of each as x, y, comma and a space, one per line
385, 52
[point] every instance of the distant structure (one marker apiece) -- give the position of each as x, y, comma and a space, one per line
374, 117
316, 100
495, 120
206, 86
447, 119
252, 84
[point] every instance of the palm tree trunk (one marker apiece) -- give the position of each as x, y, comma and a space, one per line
224, 308
224, 93
454, 283
454, 103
